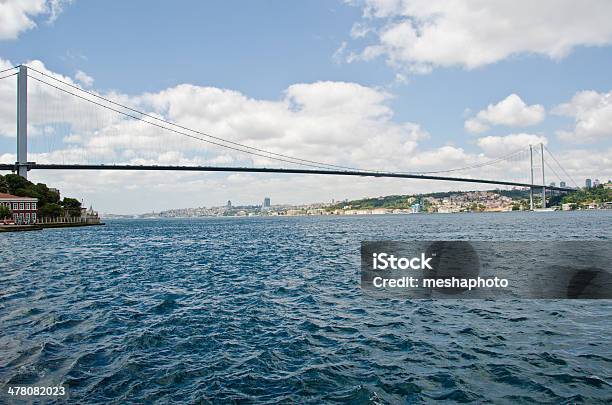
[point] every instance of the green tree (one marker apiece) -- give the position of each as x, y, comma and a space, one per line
5, 212
49, 196
4, 188
15, 183
72, 206
585, 196
51, 210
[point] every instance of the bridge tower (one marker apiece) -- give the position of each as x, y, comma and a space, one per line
543, 179
22, 122
531, 176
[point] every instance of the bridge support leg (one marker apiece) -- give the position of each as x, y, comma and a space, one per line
531, 175
543, 179
22, 122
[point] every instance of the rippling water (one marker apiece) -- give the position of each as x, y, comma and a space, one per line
270, 310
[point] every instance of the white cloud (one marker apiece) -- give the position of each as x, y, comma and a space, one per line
17, 16
418, 35
511, 111
55, 8
49, 108
593, 114
84, 78
360, 30
334, 122
496, 146
475, 126
338, 56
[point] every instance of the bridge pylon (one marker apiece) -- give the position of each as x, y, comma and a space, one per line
543, 179
22, 122
531, 176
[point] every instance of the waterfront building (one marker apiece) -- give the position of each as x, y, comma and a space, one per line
266, 202
587, 183
229, 204
90, 215
24, 209
562, 184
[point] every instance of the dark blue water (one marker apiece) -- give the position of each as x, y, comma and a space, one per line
270, 310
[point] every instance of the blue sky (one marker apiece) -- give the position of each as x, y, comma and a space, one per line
260, 49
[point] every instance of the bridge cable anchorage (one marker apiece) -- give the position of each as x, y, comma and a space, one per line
4, 77
292, 159
562, 168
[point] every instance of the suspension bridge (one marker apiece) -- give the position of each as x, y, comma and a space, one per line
67, 117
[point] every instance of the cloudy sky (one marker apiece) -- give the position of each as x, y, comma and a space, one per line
377, 84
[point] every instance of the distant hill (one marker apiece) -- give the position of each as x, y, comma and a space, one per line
405, 201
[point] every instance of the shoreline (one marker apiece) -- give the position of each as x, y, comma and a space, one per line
70, 225
40, 227
347, 215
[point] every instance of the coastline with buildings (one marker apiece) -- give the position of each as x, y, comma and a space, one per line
588, 198
25, 206
36, 206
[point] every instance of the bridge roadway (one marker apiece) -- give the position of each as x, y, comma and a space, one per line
36, 166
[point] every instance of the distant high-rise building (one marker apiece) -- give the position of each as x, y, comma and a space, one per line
229, 204
562, 184
266, 202
595, 182
587, 183
553, 184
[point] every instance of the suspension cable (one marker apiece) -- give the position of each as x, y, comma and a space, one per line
476, 165
553, 170
559, 164
177, 131
6, 70
4, 77
239, 147
319, 164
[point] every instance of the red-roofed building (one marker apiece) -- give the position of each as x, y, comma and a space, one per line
24, 208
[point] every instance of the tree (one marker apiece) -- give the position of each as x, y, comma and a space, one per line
51, 210
16, 182
49, 196
72, 206
4, 188
585, 196
5, 212
49, 204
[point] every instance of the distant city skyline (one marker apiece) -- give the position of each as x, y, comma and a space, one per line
372, 84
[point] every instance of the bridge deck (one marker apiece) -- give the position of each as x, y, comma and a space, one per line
36, 166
